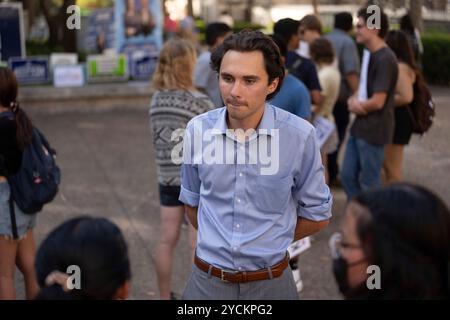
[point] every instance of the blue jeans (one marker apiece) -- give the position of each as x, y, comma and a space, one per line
24, 222
362, 165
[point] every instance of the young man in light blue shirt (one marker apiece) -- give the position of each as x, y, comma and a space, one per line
252, 179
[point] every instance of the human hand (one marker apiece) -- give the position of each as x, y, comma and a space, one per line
355, 106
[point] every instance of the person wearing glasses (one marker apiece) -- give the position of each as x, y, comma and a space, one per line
401, 231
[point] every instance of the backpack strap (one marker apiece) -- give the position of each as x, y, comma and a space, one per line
12, 213
44, 141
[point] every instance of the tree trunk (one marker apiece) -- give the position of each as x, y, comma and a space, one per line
58, 31
30, 6
190, 8
416, 13
315, 4
52, 23
248, 11
69, 37
440, 5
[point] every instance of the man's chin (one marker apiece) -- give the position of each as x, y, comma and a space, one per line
237, 113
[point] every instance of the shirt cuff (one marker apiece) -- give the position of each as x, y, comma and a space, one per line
317, 213
188, 197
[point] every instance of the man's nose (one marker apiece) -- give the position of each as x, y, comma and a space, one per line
236, 90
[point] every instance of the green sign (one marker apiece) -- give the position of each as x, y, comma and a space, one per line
107, 68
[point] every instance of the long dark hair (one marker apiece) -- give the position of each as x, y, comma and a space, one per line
399, 43
96, 246
8, 99
406, 24
408, 236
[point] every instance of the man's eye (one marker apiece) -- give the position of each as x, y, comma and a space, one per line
250, 81
227, 79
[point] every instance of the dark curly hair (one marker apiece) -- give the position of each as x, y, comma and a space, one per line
248, 41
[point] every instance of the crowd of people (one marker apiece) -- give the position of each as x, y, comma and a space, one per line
253, 91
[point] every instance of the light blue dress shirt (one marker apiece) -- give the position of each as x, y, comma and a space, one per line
247, 212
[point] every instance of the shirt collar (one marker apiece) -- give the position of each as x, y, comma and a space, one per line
266, 124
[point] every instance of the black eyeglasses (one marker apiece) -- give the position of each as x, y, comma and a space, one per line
337, 243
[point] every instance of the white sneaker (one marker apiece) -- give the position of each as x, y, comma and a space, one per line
297, 279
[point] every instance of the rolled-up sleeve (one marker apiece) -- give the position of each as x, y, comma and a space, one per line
311, 192
190, 182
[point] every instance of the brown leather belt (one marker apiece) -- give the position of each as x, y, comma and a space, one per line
243, 276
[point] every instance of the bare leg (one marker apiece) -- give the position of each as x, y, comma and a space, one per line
130, 6
171, 219
130, 29
8, 250
26, 254
146, 18
144, 5
393, 159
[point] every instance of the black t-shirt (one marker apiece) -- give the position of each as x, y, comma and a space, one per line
303, 69
378, 127
10, 154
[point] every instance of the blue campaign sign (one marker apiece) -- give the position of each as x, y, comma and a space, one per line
142, 62
33, 70
12, 40
138, 23
142, 66
100, 33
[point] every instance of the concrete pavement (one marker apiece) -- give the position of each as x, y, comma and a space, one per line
106, 158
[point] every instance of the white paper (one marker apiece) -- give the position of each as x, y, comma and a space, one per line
362, 92
68, 76
303, 49
324, 129
299, 246
57, 59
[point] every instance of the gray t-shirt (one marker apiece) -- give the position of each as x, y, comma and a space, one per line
347, 58
206, 79
378, 126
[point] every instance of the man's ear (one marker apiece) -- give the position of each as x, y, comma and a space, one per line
273, 85
123, 292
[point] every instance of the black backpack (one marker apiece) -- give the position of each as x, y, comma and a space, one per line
422, 108
37, 181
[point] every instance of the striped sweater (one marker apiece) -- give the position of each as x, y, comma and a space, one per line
171, 110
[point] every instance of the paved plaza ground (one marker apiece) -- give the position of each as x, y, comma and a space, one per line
108, 168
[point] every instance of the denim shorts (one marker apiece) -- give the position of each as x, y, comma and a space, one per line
168, 196
24, 222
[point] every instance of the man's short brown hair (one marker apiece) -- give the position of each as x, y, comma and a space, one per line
311, 22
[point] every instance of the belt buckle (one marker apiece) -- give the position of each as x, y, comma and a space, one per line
222, 275
223, 272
